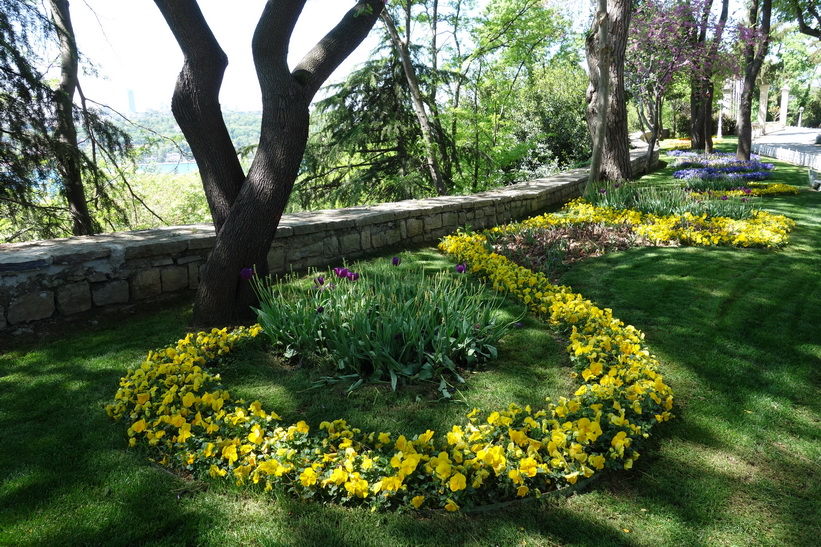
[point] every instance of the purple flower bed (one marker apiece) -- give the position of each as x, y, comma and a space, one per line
720, 167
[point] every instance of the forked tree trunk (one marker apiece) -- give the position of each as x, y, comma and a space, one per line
246, 209
68, 155
616, 149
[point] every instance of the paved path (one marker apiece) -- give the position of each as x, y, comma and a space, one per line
792, 144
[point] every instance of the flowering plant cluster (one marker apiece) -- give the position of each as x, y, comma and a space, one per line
763, 229
175, 403
719, 167
392, 323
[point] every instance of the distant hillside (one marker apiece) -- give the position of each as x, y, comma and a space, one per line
160, 140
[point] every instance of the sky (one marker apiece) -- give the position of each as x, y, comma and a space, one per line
133, 49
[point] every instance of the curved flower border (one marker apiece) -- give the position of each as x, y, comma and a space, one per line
175, 403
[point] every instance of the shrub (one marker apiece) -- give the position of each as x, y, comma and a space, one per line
388, 323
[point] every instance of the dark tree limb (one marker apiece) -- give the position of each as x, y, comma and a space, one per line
196, 107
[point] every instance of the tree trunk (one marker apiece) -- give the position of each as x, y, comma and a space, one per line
702, 87
616, 149
247, 209
698, 109
754, 57
431, 149
68, 155
603, 97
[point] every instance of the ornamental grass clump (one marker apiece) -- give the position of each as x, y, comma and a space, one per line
386, 323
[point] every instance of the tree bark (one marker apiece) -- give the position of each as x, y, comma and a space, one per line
754, 54
701, 84
603, 93
616, 149
68, 154
431, 149
247, 209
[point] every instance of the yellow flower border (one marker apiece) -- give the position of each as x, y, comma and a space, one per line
174, 401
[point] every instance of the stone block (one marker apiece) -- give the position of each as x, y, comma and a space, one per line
188, 259
366, 238
2, 318
450, 220
193, 275
31, 306
385, 236
23, 261
276, 259
109, 292
145, 284
306, 248
174, 278
414, 227
154, 247
350, 243
74, 298
164, 261
432, 222
98, 270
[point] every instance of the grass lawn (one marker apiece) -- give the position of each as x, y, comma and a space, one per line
736, 330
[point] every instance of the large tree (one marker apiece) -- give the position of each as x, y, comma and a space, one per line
704, 63
615, 154
51, 148
659, 47
246, 208
756, 40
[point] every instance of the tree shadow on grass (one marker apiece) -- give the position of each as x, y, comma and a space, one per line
736, 332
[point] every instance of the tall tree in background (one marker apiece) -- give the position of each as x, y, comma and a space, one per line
49, 175
756, 40
659, 47
246, 209
616, 148
401, 43
68, 152
704, 62
601, 23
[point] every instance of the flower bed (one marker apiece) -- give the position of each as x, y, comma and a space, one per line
175, 404
762, 230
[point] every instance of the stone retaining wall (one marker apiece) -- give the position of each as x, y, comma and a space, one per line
82, 278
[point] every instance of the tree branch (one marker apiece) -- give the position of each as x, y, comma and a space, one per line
271, 39
337, 45
196, 107
803, 27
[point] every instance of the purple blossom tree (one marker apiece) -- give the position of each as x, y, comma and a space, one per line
659, 46
670, 39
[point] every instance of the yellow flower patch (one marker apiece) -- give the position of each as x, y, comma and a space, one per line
175, 401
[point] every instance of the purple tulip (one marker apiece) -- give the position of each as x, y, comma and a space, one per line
396, 261
603, 191
246, 273
320, 309
461, 268
353, 276
724, 198
341, 272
